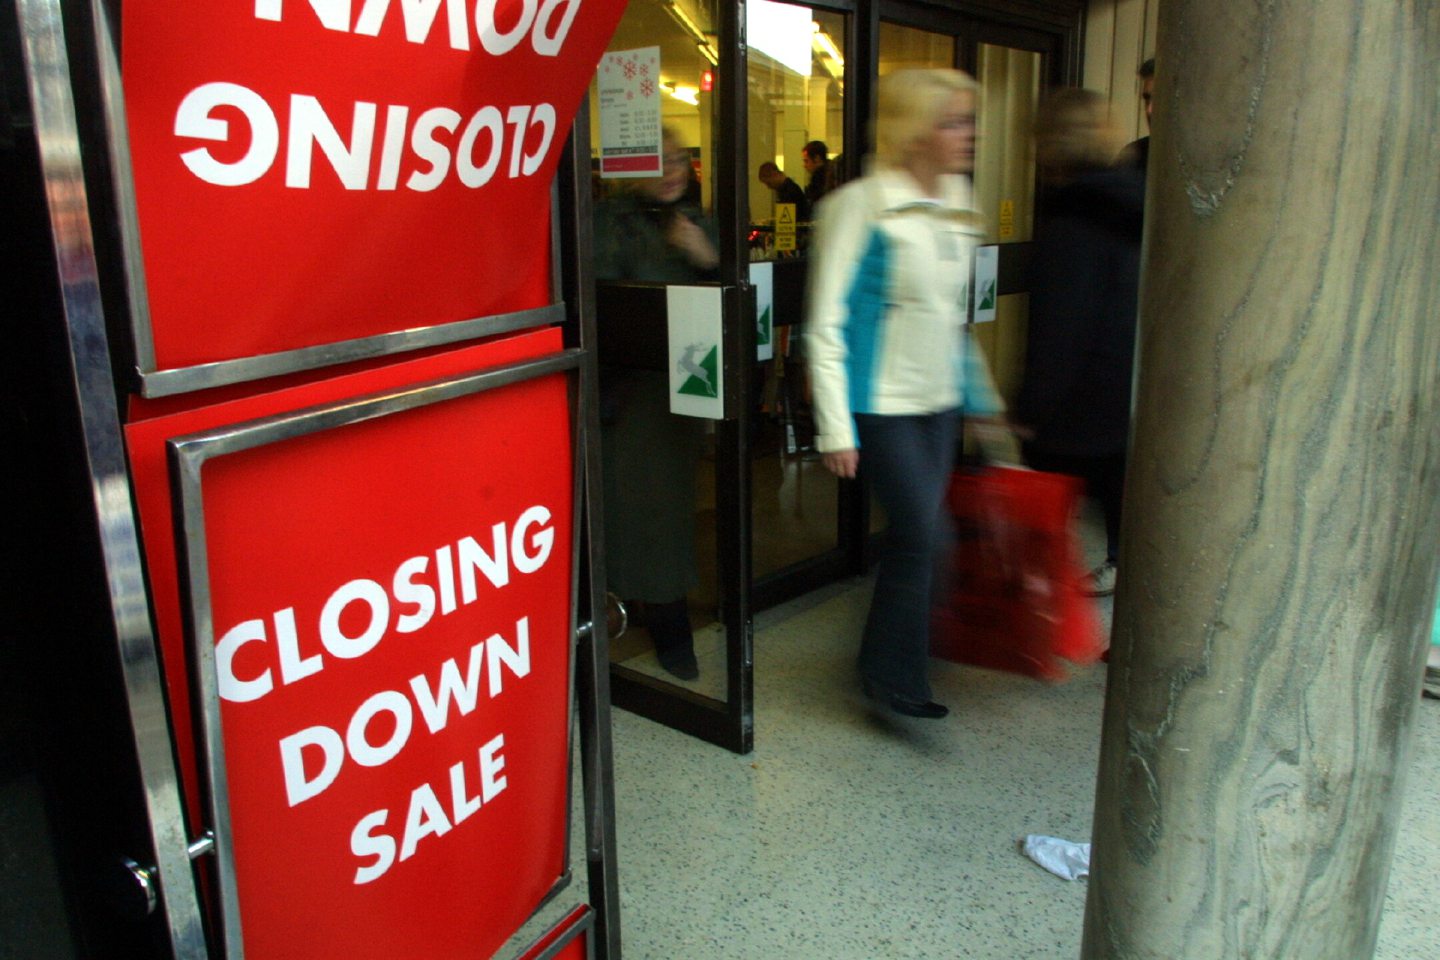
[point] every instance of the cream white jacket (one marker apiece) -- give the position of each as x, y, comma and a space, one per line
886, 326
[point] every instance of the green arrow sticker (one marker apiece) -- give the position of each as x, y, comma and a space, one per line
703, 380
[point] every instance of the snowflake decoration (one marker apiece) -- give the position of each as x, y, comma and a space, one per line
647, 88
629, 69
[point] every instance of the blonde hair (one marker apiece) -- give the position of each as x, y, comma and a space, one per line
911, 104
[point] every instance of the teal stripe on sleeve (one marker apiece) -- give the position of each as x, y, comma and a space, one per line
865, 305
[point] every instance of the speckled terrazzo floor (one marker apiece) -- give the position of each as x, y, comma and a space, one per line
850, 835
846, 833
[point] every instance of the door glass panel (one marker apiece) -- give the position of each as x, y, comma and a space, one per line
659, 467
1005, 189
1004, 158
795, 141
907, 47
796, 100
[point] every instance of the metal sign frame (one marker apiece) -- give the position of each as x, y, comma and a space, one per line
51, 77
562, 934
188, 456
48, 65
157, 382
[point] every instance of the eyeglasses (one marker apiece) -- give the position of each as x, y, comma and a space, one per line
961, 122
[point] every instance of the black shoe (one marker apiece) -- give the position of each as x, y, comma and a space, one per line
679, 663
669, 626
928, 710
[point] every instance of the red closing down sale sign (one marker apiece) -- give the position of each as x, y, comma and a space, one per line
384, 164
383, 613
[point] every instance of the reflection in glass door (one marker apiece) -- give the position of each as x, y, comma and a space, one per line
666, 319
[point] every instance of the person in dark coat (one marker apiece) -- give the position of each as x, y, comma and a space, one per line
786, 190
1073, 410
815, 156
652, 232
1137, 152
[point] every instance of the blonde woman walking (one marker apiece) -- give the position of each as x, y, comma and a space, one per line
890, 362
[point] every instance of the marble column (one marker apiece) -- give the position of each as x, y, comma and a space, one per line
1282, 532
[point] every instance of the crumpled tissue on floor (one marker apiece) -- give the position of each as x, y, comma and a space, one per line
1064, 858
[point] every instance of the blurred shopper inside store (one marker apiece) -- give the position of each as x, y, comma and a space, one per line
821, 169
1074, 407
786, 190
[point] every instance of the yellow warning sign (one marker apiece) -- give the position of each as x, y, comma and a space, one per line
784, 226
1007, 219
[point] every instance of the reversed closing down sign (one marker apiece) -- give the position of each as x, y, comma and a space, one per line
311, 173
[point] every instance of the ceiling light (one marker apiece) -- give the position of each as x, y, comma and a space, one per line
825, 45
688, 95
688, 25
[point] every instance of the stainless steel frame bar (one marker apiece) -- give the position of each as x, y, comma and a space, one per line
51, 92
159, 383
581, 927
593, 655
104, 15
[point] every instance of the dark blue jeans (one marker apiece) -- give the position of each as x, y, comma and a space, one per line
906, 460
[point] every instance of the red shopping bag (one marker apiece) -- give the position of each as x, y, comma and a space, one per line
1010, 593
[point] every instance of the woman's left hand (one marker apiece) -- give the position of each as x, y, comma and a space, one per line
686, 236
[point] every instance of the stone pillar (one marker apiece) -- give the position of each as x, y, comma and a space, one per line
1283, 519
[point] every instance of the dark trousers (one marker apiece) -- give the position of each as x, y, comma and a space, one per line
906, 460
1104, 478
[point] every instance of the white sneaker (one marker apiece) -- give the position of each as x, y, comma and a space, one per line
1102, 580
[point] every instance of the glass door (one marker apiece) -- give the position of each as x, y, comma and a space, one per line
710, 516
796, 152
673, 319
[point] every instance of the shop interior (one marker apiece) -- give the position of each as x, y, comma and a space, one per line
804, 84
